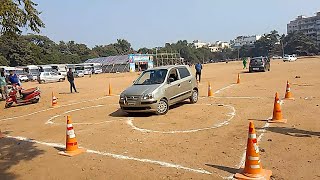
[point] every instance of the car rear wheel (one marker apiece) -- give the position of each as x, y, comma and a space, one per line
42, 81
61, 80
194, 96
163, 107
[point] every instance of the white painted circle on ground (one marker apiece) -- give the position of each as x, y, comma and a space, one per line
217, 125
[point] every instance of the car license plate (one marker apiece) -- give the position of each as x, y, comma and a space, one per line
255, 69
131, 103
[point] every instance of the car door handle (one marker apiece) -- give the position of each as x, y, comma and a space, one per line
179, 85
189, 81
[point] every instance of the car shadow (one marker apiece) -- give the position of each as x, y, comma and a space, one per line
121, 113
12, 152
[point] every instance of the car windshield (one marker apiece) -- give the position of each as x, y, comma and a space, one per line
152, 77
254, 60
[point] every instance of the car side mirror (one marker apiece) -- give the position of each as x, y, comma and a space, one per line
170, 80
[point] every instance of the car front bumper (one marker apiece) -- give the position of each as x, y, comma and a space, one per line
139, 105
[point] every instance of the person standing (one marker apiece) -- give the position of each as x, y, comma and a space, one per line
244, 61
14, 79
3, 85
198, 68
71, 81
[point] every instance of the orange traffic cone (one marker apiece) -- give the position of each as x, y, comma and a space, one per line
54, 100
253, 168
277, 113
110, 90
288, 95
238, 80
71, 141
210, 93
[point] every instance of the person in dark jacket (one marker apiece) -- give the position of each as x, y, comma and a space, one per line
198, 68
71, 80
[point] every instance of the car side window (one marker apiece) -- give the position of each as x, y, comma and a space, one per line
174, 74
53, 74
184, 72
46, 74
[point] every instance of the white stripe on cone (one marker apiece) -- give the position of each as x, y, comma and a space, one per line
70, 132
252, 136
253, 158
254, 166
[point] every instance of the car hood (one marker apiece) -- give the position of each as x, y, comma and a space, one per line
140, 89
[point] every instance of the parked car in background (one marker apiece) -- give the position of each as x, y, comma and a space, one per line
289, 58
23, 77
79, 73
259, 64
32, 72
276, 57
158, 88
45, 77
21, 74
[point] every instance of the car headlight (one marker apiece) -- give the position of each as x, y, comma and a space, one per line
122, 96
147, 96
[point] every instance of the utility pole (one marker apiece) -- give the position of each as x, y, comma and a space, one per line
282, 48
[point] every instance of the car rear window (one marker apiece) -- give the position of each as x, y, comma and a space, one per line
258, 60
184, 72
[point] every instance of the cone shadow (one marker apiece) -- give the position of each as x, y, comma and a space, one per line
224, 168
294, 132
258, 119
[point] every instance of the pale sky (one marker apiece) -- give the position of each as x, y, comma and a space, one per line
150, 23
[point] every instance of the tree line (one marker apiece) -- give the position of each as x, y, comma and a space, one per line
20, 50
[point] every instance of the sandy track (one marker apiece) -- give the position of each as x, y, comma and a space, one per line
290, 149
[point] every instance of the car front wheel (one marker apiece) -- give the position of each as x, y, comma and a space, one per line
194, 96
163, 107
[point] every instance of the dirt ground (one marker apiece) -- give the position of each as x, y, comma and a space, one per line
206, 140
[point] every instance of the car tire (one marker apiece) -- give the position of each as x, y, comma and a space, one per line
163, 107
42, 81
194, 96
250, 70
61, 80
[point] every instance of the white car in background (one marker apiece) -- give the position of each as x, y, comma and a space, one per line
289, 58
79, 73
23, 77
45, 77
97, 71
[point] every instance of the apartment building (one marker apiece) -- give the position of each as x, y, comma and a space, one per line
214, 47
244, 40
310, 26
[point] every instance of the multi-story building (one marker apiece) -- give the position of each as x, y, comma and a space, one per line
218, 46
214, 47
199, 44
310, 26
244, 40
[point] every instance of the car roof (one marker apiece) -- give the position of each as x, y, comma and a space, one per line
168, 67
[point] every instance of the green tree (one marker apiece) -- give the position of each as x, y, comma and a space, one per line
3, 61
17, 14
299, 43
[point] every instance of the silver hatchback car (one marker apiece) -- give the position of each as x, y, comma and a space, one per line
158, 88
